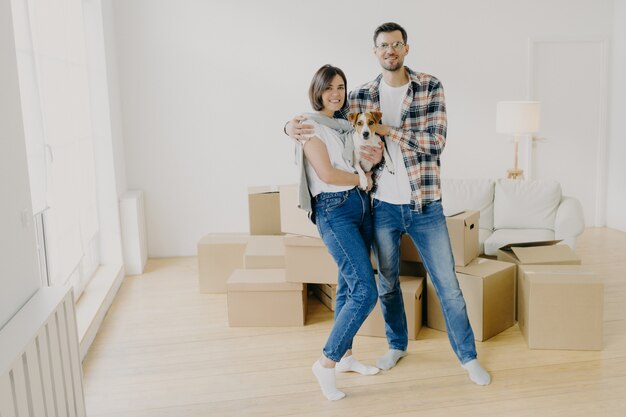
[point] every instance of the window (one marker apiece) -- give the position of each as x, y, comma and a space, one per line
56, 107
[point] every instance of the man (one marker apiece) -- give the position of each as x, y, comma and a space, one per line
409, 201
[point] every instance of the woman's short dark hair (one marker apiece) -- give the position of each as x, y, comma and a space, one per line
389, 27
321, 80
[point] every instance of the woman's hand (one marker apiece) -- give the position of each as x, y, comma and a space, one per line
298, 131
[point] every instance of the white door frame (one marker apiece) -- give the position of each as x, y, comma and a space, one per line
601, 174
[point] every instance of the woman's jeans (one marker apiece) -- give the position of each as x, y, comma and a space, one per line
344, 222
429, 233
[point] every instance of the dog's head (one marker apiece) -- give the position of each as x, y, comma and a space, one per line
365, 124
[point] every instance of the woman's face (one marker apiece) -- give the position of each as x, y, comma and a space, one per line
334, 96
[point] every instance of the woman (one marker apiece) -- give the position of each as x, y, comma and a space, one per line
343, 216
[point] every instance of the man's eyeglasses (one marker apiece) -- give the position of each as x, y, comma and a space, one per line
396, 46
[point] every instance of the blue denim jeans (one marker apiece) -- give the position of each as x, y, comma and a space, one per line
429, 233
344, 221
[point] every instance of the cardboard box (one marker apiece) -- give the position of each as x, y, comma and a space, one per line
408, 251
219, 254
560, 307
264, 210
326, 293
328, 289
488, 289
307, 260
262, 297
463, 231
373, 261
412, 269
264, 252
294, 220
412, 291
538, 253
415, 269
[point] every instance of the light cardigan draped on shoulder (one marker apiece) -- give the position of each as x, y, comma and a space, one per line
344, 130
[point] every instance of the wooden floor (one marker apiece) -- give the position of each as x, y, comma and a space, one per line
166, 350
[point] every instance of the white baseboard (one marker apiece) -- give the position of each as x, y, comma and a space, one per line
94, 303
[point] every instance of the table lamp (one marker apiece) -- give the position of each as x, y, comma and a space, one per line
517, 118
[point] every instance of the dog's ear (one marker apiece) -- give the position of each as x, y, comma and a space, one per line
352, 117
378, 116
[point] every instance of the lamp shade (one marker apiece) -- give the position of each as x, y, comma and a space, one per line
517, 117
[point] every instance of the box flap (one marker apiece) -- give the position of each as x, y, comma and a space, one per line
540, 272
480, 267
545, 254
298, 240
224, 239
263, 189
261, 280
464, 215
287, 187
563, 277
529, 244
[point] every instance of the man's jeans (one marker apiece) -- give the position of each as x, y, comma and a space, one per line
429, 233
344, 221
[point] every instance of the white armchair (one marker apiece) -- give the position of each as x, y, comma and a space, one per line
514, 211
570, 221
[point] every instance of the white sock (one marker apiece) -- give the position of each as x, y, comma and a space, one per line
390, 359
349, 364
477, 373
326, 379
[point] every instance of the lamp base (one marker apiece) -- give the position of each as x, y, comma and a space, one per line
515, 174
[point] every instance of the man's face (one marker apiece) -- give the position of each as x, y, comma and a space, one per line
391, 50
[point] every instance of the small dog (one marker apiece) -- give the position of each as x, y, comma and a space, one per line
365, 125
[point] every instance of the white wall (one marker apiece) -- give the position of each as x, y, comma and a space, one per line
207, 86
109, 158
115, 109
19, 274
616, 193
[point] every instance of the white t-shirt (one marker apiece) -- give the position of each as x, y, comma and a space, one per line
335, 147
394, 189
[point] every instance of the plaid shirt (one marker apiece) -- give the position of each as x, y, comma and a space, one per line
422, 134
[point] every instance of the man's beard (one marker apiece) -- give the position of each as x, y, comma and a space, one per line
395, 67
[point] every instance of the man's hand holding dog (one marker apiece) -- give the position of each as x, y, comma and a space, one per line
383, 130
301, 132
374, 154
297, 130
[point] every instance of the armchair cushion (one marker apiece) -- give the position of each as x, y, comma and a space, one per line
526, 204
458, 195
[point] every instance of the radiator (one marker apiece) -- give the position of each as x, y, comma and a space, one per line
40, 367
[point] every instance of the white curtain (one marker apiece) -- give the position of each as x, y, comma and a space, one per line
53, 73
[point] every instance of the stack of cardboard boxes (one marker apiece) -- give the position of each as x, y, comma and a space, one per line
265, 273
251, 268
558, 303
488, 286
